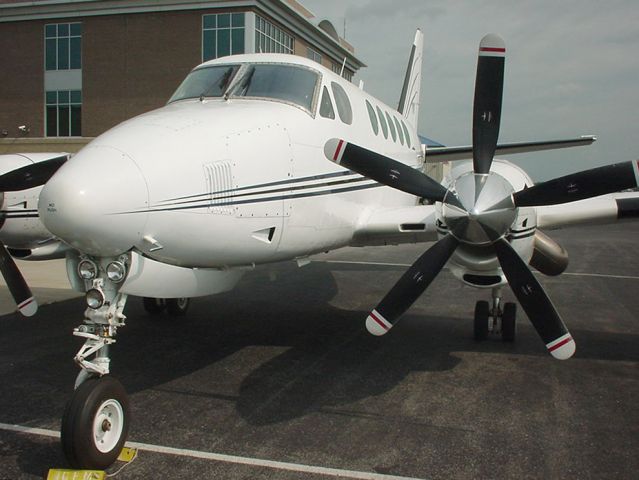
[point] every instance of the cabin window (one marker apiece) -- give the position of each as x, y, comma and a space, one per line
326, 106
382, 122
373, 117
206, 82
391, 127
406, 134
343, 103
400, 134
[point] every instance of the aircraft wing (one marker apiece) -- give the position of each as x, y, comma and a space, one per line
447, 154
392, 226
596, 210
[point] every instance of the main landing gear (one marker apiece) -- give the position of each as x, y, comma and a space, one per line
496, 318
95, 423
176, 307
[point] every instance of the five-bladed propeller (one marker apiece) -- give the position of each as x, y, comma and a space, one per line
23, 178
480, 208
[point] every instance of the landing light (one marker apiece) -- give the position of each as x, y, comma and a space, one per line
95, 298
87, 269
116, 271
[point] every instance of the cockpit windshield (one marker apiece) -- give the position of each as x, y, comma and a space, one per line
206, 82
289, 83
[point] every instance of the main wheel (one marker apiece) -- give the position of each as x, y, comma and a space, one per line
154, 305
95, 423
482, 312
508, 322
177, 306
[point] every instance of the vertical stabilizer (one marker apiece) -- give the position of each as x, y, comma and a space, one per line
409, 100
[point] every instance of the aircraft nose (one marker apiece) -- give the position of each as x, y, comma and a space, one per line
90, 203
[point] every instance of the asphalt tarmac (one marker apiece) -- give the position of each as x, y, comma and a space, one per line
282, 370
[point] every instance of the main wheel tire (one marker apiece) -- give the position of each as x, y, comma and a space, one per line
177, 307
482, 312
154, 305
95, 423
508, 322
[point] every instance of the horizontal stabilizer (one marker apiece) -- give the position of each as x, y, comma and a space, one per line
448, 154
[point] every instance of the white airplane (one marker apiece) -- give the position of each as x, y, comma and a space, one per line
264, 158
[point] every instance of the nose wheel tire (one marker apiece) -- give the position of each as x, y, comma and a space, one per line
482, 313
177, 307
95, 423
508, 322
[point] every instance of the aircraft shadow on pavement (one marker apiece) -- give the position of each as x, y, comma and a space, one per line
329, 359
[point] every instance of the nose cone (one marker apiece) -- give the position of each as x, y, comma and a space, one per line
92, 202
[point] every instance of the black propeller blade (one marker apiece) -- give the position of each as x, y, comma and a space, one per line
489, 86
410, 286
535, 302
21, 293
31, 175
383, 169
580, 185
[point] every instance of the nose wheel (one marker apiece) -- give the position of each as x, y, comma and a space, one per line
95, 423
495, 319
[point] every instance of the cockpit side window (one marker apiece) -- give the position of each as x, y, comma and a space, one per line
326, 106
343, 103
206, 82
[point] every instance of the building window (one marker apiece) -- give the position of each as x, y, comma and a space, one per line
222, 35
63, 46
271, 39
313, 55
337, 68
64, 113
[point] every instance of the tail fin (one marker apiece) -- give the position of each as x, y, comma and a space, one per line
409, 100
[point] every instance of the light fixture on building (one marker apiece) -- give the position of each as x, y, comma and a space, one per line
24, 129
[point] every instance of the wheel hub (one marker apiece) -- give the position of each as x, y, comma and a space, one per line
479, 209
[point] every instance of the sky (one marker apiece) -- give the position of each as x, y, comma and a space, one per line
572, 68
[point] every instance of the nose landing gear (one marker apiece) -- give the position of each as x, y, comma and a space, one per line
95, 423
496, 319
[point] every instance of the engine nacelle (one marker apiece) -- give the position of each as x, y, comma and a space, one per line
20, 225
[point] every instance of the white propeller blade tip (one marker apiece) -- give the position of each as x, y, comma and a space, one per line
29, 307
492, 45
376, 324
334, 149
562, 348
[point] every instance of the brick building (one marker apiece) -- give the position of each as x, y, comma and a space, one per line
71, 69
